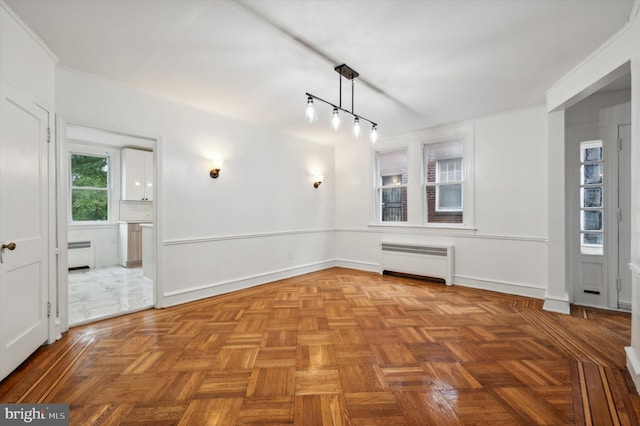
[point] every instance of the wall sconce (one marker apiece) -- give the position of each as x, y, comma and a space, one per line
318, 181
215, 169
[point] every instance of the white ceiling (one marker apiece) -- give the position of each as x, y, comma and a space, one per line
421, 63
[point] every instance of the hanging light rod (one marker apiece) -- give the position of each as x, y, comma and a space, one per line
341, 109
311, 115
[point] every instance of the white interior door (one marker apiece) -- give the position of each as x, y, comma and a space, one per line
23, 227
588, 197
598, 196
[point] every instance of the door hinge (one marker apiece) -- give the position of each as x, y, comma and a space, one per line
619, 215
48, 134
619, 144
48, 309
619, 283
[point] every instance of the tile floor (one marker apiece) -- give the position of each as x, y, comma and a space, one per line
107, 292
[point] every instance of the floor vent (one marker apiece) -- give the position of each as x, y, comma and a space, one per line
431, 261
80, 254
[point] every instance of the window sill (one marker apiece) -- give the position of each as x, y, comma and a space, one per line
95, 225
423, 227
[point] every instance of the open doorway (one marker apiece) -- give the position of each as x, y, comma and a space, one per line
598, 182
109, 181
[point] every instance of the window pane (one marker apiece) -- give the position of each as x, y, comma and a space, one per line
592, 154
449, 197
89, 205
435, 215
394, 204
449, 170
438, 154
591, 220
393, 163
89, 171
588, 238
391, 180
591, 244
591, 197
591, 174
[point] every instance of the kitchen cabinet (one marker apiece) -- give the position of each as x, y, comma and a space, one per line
130, 244
137, 175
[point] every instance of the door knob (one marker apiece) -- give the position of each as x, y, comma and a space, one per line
10, 246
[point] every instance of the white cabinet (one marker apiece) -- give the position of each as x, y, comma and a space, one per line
137, 175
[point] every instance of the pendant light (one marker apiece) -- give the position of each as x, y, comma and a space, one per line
311, 114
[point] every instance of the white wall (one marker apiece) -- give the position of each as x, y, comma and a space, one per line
260, 220
34, 75
507, 250
104, 240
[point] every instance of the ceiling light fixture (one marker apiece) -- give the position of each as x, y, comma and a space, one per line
311, 114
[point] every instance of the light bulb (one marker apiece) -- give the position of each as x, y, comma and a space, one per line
310, 113
335, 119
374, 133
357, 130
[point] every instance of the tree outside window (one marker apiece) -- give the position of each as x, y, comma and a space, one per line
89, 188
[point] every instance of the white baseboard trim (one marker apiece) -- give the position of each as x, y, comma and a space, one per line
518, 289
553, 304
173, 298
633, 365
358, 265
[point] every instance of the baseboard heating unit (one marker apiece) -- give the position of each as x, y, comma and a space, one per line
80, 254
435, 261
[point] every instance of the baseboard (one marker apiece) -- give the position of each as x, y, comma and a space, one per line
358, 265
633, 365
506, 287
517, 289
560, 306
214, 289
173, 298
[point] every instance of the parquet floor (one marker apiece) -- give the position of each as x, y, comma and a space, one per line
341, 347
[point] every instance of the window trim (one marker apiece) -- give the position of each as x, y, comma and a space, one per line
417, 212
466, 136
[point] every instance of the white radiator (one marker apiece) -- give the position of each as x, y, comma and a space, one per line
80, 254
426, 260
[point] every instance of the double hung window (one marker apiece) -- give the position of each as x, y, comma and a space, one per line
89, 182
443, 181
392, 185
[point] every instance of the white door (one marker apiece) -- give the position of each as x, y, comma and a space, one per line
598, 208
23, 227
588, 196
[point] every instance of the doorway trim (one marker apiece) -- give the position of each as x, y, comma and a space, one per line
559, 294
61, 321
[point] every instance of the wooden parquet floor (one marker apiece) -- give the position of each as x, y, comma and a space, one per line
341, 347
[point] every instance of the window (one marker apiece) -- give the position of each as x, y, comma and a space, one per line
89, 188
443, 181
591, 198
392, 186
